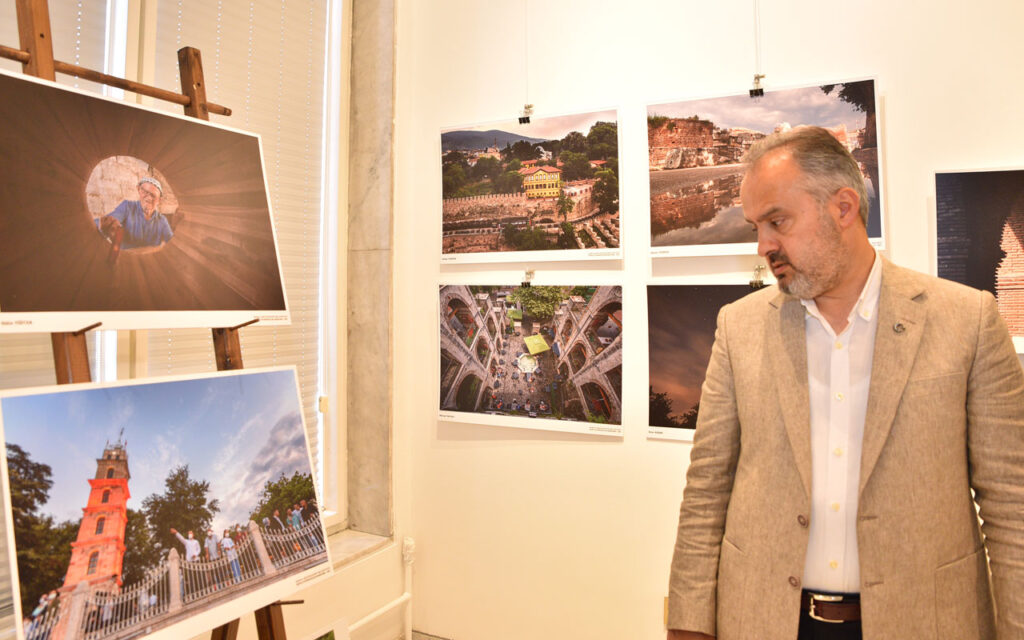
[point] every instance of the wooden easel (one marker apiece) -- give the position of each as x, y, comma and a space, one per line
70, 356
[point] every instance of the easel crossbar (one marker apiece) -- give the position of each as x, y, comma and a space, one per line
24, 57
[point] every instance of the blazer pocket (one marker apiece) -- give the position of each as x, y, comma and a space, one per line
963, 601
732, 597
938, 385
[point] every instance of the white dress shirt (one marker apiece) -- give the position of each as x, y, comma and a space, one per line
838, 376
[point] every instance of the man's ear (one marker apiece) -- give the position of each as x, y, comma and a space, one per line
847, 201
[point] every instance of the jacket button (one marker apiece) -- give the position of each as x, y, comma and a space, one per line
794, 581
802, 520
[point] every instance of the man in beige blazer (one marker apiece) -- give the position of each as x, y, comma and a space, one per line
787, 421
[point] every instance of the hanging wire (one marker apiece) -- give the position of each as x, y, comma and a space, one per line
524, 115
756, 91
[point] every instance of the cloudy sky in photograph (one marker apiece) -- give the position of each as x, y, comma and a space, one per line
235, 431
681, 329
809, 105
546, 128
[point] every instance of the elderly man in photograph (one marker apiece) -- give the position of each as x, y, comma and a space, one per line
142, 222
846, 417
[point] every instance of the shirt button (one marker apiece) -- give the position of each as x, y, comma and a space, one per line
802, 519
838, 451
833, 564
794, 581
839, 397
835, 506
839, 344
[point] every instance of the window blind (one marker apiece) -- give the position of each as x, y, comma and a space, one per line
265, 61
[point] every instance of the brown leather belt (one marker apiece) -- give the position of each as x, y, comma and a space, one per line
828, 607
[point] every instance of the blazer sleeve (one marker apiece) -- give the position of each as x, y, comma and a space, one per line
995, 441
693, 582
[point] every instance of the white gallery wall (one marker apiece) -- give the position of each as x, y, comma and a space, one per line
532, 534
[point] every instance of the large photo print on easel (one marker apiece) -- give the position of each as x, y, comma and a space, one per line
538, 357
169, 505
695, 150
136, 218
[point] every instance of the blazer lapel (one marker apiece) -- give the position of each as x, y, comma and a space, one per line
901, 321
789, 363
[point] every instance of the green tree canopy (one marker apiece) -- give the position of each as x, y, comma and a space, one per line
575, 142
539, 303
531, 239
606, 191
453, 177
283, 493
485, 167
567, 238
184, 505
565, 205
576, 166
508, 182
603, 141
523, 150
140, 553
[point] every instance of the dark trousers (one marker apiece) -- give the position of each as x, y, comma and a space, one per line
811, 629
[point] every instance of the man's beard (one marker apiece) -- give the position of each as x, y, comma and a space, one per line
823, 264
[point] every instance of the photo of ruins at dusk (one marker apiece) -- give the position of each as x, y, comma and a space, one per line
140, 506
544, 352
695, 149
552, 184
680, 331
980, 237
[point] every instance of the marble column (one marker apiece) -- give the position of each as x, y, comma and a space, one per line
371, 181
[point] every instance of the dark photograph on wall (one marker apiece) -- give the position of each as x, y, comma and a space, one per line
549, 188
159, 505
695, 150
117, 213
541, 357
681, 329
980, 237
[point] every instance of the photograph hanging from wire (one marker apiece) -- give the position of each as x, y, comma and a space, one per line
537, 357
117, 213
681, 322
695, 150
979, 229
162, 506
544, 190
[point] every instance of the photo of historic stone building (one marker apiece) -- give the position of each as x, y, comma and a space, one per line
980, 236
551, 184
695, 150
539, 352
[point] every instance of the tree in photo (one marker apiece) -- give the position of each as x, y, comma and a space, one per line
575, 166
567, 237
531, 239
606, 191
603, 141
184, 506
565, 205
539, 303
574, 141
141, 553
508, 182
282, 494
659, 412
43, 545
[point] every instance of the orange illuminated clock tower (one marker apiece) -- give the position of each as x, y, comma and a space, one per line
98, 551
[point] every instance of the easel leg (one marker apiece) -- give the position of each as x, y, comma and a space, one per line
270, 622
228, 631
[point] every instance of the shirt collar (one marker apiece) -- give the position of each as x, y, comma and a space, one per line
867, 302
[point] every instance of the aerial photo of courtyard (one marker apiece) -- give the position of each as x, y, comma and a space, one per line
551, 184
533, 352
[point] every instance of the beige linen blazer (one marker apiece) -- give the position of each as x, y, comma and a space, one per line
945, 415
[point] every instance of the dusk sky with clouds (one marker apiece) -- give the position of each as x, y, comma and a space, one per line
546, 128
234, 431
808, 105
681, 329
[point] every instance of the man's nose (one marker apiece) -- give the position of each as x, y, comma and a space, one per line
765, 244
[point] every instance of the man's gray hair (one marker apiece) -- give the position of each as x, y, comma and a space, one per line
825, 162
152, 181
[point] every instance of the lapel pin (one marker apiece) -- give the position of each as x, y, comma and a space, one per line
898, 327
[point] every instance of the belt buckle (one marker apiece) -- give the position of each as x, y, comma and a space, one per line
818, 597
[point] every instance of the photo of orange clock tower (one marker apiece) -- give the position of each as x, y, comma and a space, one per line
98, 551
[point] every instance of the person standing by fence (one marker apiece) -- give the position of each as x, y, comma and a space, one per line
228, 545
